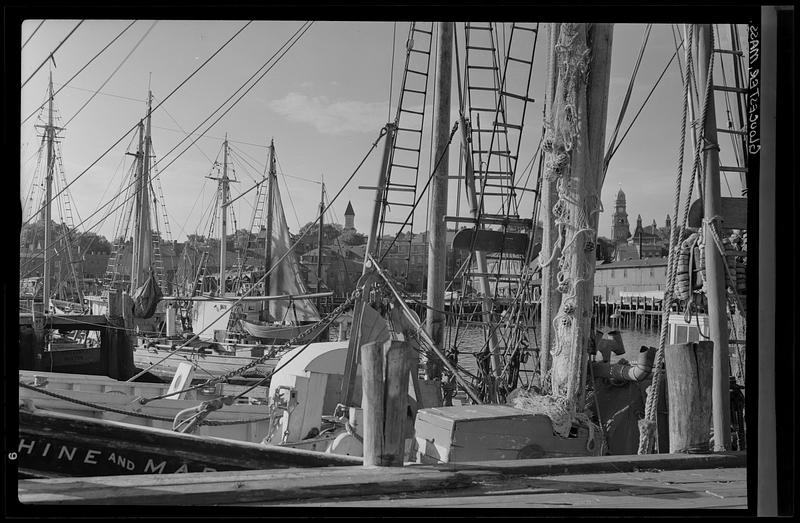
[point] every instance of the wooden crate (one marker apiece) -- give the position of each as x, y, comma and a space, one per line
492, 432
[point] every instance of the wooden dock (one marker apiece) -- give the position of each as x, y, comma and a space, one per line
668, 481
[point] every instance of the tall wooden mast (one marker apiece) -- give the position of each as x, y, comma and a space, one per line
437, 230
142, 239
319, 240
50, 133
271, 179
223, 187
576, 138
715, 264
551, 298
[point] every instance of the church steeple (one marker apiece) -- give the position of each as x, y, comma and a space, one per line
349, 217
620, 228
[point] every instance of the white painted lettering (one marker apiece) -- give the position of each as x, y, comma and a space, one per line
112, 458
23, 445
183, 468
66, 452
130, 465
209, 469
46, 450
151, 467
90, 455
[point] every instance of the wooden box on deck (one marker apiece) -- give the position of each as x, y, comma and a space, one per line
492, 432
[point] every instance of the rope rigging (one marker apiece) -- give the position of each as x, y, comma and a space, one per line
290, 250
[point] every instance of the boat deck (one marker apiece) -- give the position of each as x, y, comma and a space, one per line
667, 481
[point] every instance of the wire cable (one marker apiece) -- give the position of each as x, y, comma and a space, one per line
135, 126
50, 56
81, 70
135, 47
31, 35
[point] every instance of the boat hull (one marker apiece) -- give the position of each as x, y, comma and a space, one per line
208, 365
57, 445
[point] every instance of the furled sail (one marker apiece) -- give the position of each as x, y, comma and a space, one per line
146, 297
285, 279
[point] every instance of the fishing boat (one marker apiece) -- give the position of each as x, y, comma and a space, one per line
53, 445
232, 324
58, 335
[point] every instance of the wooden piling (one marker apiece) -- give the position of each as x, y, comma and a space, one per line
689, 377
395, 403
385, 371
372, 402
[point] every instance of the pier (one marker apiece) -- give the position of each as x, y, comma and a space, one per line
630, 311
668, 481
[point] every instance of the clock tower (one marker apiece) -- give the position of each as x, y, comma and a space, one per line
620, 228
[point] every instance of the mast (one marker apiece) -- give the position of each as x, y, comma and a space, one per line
223, 186
319, 240
550, 298
577, 135
271, 179
437, 236
715, 265
142, 240
50, 131
380, 190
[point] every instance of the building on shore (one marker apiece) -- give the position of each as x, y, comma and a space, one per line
636, 275
645, 241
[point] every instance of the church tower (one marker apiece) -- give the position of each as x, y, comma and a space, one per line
620, 228
349, 217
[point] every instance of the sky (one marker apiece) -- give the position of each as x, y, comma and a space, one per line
323, 103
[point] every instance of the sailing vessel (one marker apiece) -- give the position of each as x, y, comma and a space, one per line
234, 322
52, 336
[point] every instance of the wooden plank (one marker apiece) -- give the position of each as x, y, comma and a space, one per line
214, 488
597, 464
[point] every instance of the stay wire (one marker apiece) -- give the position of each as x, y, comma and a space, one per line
50, 56
135, 47
31, 35
80, 71
198, 137
135, 126
645, 102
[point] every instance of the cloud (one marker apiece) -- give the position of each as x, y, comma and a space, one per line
330, 117
347, 116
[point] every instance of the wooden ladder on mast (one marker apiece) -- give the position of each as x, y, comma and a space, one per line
736, 130
405, 155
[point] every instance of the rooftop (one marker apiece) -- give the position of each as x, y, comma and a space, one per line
644, 262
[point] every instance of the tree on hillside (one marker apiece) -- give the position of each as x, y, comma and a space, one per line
330, 231
352, 237
33, 234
